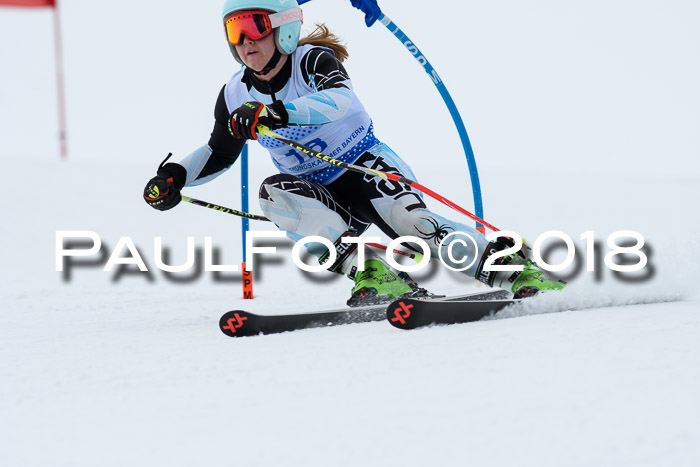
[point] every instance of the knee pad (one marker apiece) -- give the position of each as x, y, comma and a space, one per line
300, 207
290, 183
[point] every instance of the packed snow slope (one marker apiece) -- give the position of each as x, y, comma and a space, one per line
583, 118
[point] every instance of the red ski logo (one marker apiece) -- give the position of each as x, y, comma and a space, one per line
401, 313
234, 323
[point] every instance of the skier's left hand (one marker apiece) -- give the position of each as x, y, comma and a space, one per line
245, 118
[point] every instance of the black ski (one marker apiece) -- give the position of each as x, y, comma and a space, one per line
239, 323
414, 313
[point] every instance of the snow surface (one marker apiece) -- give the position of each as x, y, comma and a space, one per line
582, 116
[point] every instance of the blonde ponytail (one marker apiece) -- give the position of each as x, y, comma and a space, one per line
321, 36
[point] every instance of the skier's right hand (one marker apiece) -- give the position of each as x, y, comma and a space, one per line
244, 120
162, 192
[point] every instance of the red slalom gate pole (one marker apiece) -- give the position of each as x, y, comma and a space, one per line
60, 85
58, 50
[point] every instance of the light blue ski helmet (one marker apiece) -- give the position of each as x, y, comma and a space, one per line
286, 36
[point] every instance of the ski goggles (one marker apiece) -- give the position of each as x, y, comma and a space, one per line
256, 24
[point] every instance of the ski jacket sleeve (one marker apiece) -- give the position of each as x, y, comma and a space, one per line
216, 157
333, 90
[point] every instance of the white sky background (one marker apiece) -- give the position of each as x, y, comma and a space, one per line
561, 100
582, 85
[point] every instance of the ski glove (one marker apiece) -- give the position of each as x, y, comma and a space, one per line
245, 118
162, 192
370, 8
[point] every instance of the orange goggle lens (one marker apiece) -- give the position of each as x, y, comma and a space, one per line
252, 24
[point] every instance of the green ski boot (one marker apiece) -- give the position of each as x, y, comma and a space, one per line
377, 284
532, 280
526, 283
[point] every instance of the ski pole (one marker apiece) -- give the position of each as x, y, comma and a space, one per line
417, 257
265, 131
216, 207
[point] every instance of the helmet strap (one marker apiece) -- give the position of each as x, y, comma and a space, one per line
271, 64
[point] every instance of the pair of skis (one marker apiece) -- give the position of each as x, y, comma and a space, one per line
403, 314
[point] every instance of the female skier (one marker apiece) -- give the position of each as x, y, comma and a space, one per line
300, 89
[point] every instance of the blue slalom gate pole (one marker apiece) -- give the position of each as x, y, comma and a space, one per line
466, 144
245, 224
